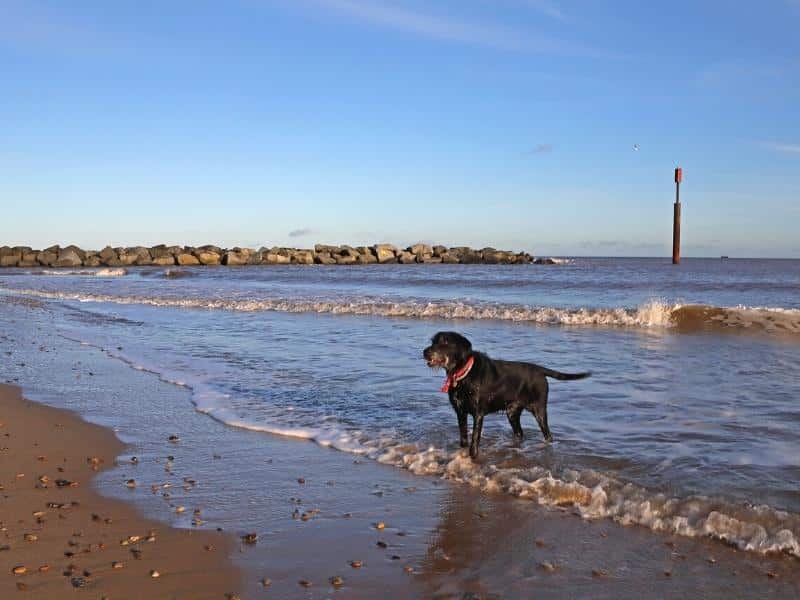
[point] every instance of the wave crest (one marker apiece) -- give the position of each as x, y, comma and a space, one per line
651, 315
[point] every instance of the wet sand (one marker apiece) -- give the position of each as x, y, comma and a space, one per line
58, 534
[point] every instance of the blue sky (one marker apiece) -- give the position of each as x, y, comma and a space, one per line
509, 123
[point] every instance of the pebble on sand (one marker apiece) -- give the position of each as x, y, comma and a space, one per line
305, 583
356, 564
266, 582
154, 574
19, 570
336, 581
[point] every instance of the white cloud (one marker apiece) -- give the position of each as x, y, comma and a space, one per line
306, 231
454, 30
542, 149
548, 8
779, 147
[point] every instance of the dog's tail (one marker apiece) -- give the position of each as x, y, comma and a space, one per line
565, 376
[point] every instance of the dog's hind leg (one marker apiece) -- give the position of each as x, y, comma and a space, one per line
514, 412
539, 410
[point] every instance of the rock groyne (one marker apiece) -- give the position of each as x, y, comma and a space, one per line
162, 255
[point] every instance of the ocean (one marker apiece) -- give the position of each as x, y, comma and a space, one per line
689, 425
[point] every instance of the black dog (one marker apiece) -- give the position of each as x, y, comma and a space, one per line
478, 385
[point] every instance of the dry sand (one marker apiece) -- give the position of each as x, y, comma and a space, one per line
57, 533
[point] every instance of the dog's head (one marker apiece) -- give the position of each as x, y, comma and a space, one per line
448, 350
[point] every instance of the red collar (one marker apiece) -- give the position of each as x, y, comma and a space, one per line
453, 378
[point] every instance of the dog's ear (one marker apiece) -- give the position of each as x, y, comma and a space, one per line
461, 341
467, 343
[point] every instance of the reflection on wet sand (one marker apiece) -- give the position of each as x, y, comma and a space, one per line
490, 546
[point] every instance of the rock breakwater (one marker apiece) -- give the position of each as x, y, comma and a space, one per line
74, 257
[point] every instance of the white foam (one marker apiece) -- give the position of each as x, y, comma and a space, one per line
592, 494
651, 314
85, 272
595, 495
655, 314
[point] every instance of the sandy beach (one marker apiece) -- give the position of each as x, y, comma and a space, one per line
59, 534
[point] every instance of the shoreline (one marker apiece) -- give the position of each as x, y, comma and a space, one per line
316, 510
59, 534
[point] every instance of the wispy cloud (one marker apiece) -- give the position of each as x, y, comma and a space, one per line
551, 9
542, 149
448, 29
779, 147
301, 232
30, 27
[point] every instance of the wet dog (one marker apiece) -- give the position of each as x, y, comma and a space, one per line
479, 385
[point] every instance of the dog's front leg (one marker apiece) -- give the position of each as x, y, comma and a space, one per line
477, 426
462, 428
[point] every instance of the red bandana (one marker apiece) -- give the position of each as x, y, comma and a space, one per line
453, 379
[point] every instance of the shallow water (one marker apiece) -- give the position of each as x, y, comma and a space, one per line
689, 424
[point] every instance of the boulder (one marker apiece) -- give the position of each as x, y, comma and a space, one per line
235, 258
439, 250
470, 257
385, 253
449, 259
127, 259
110, 257
544, 261
77, 251
348, 251
141, 254
406, 258
28, 259
9, 257
187, 260
303, 257
206, 257
493, 257
366, 259
164, 261
325, 248
431, 260
68, 258
346, 260
46, 259
91, 261
273, 258
420, 249
159, 251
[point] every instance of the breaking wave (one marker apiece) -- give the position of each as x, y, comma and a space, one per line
688, 318
85, 272
596, 495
